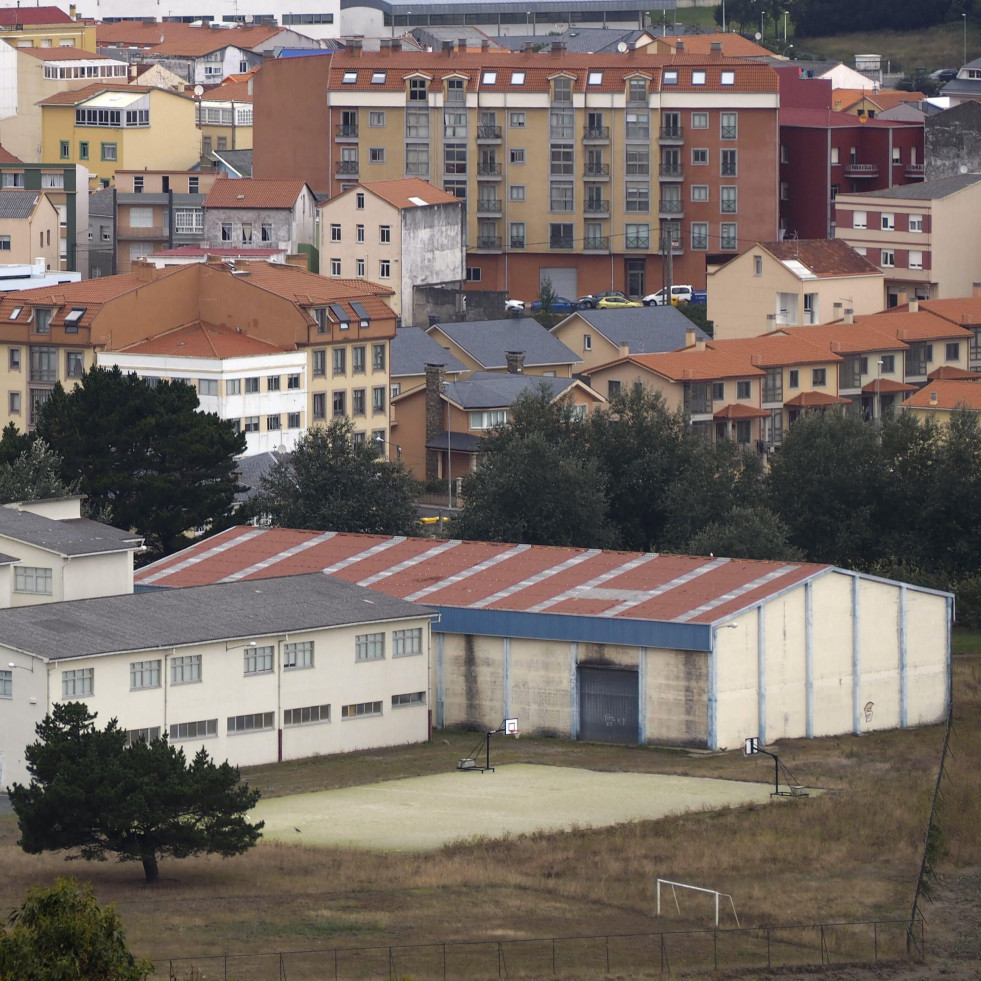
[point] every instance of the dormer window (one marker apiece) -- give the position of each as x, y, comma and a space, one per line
728, 78
637, 90
454, 90
15, 313
418, 89
562, 89
517, 78
698, 78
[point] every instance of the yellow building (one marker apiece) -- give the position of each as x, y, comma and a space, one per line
29, 228
45, 27
224, 115
119, 127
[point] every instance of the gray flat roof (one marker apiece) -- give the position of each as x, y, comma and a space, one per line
164, 618
940, 187
412, 349
488, 341
76, 536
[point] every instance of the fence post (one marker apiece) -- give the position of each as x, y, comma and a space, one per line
875, 941
335, 964
607, 940
282, 968
768, 948
553, 955
715, 949
823, 947
444, 962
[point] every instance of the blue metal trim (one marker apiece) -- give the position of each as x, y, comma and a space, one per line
506, 679
903, 679
574, 690
642, 696
856, 659
712, 712
761, 673
949, 693
809, 660
585, 630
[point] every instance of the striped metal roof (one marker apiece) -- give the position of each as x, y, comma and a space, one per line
482, 587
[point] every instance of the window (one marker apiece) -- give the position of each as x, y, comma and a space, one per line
517, 192
517, 155
75, 365
718, 391
293, 420
378, 400
699, 193
637, 89
637, 236
562, 124
454, 90
108, 151
819, 376
518, 235
384, 269
916, 223
358, 402
250, 723
699, 120
251, 424
728, 128
359, 233
561, 162
887, 259
417, 124
13, 358
638, 126
418, 89
42, 322
339, 403
14, 403
417, 160
729, 163
207, 386
32, 579
233, 386
185, 670
306, 715
273, 423
360, 710
358, 359
377, 357
65, 149
560, 196
144, 674
742, 389
226, 231
335, 267
83, 150
888, 363
638, 196
378, 77
7, 683
369, 647
455, 158
699, 236
793, 380
888, 221
376, 119
298, 655
915, 259
489, 419
350, 78
562, 89
409, 698
406, 642
727, 236
859, 219
188, 221
251, 385
360, 268
320, 405
952, 351
359, 200
339, 361
77, 683
727, 204
258, 660
194, 730
335, 232
698, 77
638, 162
5, 246
699, 157
517, 78
561, 235
517, 120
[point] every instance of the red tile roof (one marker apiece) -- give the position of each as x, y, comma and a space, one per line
923, 325
949, 395
231, 90
7, 157
73, 97
401, 192
202, 340
950, 371
828, 119
815, 400
490, 576
737, 410
733, 45
825, 257
33, 16
844, 338
692, 364
254, 192
135, 32
963, 310
64, 54
776, 349
886, 386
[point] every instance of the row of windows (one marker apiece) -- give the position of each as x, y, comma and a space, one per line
245, 232
112, 117
361, 268
84, 71
339, 360
107, 151
562, 235
889, 222
358, 407
384, 233
251, 385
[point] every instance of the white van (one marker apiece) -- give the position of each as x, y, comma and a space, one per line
679, 294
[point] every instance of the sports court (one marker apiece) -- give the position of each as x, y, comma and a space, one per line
426, 812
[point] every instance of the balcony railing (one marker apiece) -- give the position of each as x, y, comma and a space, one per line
596, 207
488, 132
347, 130
671, 206
672, 134
597, 170
347, 166
913, 170
561, 242
596, 243
861, 170
672, 172
636, 241
517, 242
596, 133
143, 233
490, 242
488, 169
489, 204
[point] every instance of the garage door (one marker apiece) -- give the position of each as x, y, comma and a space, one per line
608, 706
564, 281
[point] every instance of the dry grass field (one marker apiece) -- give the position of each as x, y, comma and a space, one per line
851, 853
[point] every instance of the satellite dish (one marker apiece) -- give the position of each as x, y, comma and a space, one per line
249, 18
759, 37
622, 47
199, 90
963, 168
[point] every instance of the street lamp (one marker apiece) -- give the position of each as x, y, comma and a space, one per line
878, 392
964, 19
10, 664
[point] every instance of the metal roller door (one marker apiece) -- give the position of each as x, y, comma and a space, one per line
564, 281
608, 706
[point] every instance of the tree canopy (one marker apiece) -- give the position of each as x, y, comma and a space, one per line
143, 455
91, 794
331, 483
33, 475
60, 933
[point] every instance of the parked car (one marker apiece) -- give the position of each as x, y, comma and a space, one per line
679, 294
944, 74
514, 307
591, 301
560, 304
617, 303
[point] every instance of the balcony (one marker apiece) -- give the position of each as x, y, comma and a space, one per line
488, 168
488, 134
671, 135
913, 171
562, 242
489, 243
346, 167
489, 207
518, 242
672, 172
596, 206
861, 170
637, 242
596, 134
596, 243
145, 233
597, 171
347, 131
670, 208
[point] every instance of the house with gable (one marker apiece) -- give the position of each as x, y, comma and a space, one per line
941, 398
278, 214
412, 350
797, 281
29, 228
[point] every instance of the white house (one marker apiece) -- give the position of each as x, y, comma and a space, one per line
253, 671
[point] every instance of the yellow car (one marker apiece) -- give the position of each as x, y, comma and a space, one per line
617, 303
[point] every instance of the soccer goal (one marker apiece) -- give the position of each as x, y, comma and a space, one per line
674, 886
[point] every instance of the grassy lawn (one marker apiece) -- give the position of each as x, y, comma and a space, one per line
850, 853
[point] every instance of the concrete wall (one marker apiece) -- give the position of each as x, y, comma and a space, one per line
433, 247
952, 141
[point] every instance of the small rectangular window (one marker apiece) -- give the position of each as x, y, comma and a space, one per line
259, 660
360, 710
185, 669
32, 579
369, 647
298, 655
144, 674
194, 730
307, 715
77, 683
409, 698
250, 723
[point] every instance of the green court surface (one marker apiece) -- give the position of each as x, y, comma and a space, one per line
426, 812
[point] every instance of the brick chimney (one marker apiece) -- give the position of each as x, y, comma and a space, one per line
461, 44
689, 337
515, 361
447, 48
975, 289
680, 47
557, 48
435, 414
715, 49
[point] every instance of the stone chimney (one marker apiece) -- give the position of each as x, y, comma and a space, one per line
715, 49
515, 361
435, 415
689, 337
849, 316
914, 305
680, 47
623, 349
975, 289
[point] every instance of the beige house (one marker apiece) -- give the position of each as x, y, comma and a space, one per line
925, 237
30, 228
939, 399
254, 672
406, 233
775, 284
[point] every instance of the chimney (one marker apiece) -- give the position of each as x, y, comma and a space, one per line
385, 45
679, 47
836, 311
975, 289
396, 44
849, 316
558, 48
447, 48
529, 47
623, 349
461, 44
515, 361
700, 345
689, 336
715, 49
72, 11
485, 45
354, 45
933, 398
435, 414
145, 271
914, 304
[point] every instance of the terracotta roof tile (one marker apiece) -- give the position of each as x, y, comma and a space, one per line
950, 371
135, 32
691, 364
825, 257
924, 325
949, 395
230, 90
733, 45
886, 386
845, 338
254, 192
32, 16
203, 340
737, 410
7, 157
401, 192
308, 289
964, 310
816, 400
776, 349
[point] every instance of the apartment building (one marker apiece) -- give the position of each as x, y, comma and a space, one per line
157, 210
306, 344
925, 237
581, 168
29, 228
45, 27
224, 116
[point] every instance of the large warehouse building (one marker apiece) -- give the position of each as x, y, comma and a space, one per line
630, 647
